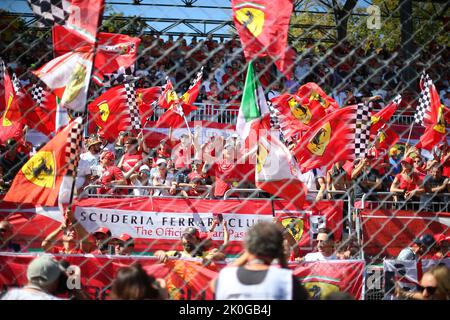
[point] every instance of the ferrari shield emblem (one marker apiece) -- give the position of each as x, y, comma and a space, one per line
41, 170
440, 123
319, 290
261, 158
252, 19
6, 121
300, 111
294, 226
320, 140
104, 111
76, 83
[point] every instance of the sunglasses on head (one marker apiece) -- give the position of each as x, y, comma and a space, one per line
430, 290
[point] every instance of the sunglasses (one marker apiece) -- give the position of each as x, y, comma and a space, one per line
3, 230
430, 290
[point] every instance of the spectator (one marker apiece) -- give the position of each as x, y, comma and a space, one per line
92, 156
206, 237
133, 283
74, 237
420, 167
43, 274
161, 178
141, 179
337, 180
442, 246
111, 175
11, 161
420, 246
407, 184
366, 179
131, 156
124, 244
434, 285
435, 185
252, 277
325, 247
103, 241
6, 238
394, 160
181, 183
348, 249
192, 248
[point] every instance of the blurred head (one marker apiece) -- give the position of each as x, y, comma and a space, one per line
94, 145
107, 158
435, 283
6, 231
44, 272
418, 162
190, 239
196, 166
325, 242
133, 283
124, 244
407, 164
131, 145
436, 171
424, 244
102, 238
265, 241
144, 172
162, 164
69, 238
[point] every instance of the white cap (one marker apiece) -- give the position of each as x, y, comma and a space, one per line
144, 167
160, 160
235, 135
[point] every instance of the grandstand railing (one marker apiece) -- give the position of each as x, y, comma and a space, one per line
227, 114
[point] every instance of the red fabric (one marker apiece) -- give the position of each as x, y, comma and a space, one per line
85, 15
314, 94
267, 30
62, 250
43, 191
113, 50
225, 174
408, 185
446, 168
381, 117
328, 140
130, 160
110, 174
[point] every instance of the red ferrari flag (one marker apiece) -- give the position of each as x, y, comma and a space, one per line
263, 27
114, 51
328, 140
40, 179
190, 96
384, 115
434, 133
314, 94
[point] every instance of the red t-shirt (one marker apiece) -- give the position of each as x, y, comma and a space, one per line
130, 160
223, 171
110, 173
446, 168
408, 185
62, 250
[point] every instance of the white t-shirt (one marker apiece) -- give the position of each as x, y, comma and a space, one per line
24, 294
83, 170
141, 192
318, 256
92, 159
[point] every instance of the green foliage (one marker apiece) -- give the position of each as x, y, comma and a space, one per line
117, 23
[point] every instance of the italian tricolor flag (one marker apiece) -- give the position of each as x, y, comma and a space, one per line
276, 170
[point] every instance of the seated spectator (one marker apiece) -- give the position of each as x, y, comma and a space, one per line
11, 161
325, 247
131, 156
181, 185
74, 237
366, 179
141, 179
192, 248
197, 178
435, 185
43, 274
337, 180
419, 247
6, 238
103, 241
133, 283
407, 184
348, 249
161, 178
442, 246
434, 285
124, 244
111, 175
252, 275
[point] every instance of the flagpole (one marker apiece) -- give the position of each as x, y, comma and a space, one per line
85, 113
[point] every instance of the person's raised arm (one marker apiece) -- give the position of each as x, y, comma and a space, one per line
49, 242
395, 186
83, 235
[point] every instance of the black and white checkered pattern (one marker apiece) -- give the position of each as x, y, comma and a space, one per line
397, 99
73, 147
50, 12
16, 83
198, 78
274, 116
2, 70
37, 93
132, 106
122, 75
424, 105
362, 130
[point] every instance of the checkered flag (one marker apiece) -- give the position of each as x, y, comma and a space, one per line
132, 106
73, 147
362, 130
398, 99
122, 75
50, 12
424, 104
16, 83
37, 93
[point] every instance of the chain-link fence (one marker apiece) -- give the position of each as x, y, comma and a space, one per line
167, 173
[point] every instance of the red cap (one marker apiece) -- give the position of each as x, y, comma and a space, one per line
108, 155
440, 237
103, 230
125, 237
408, 160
